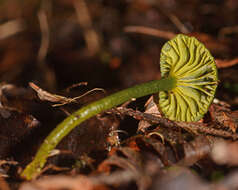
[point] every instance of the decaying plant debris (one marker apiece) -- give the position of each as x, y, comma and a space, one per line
58, 45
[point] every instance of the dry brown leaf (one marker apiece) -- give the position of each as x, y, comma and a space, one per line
60, 100
224, 117
61, 182
224, 152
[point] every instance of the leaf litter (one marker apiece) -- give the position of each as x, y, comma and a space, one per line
112, 150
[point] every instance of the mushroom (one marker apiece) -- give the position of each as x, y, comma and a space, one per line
191, 64
187, 88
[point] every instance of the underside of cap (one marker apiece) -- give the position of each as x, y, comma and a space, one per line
194, 68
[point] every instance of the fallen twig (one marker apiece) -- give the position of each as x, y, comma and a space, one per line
226, 63
149, 31
196, 127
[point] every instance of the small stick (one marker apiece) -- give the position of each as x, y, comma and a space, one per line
149, 31
193, 126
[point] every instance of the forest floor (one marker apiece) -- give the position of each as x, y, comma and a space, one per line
97, 47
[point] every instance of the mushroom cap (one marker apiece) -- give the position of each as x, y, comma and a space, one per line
194, 68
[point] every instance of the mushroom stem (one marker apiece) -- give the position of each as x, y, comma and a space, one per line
88, 111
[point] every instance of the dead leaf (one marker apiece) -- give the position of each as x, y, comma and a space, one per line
61, 182
60, 100
224, 117
195, 150
224, 152
46, 96
178, 178
150, 108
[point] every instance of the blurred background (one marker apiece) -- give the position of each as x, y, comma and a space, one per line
110, 44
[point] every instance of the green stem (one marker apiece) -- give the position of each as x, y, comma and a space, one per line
34, 168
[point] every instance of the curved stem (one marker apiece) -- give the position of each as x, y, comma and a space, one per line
88, 111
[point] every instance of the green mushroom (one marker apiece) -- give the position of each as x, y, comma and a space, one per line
191, 64
186, 90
